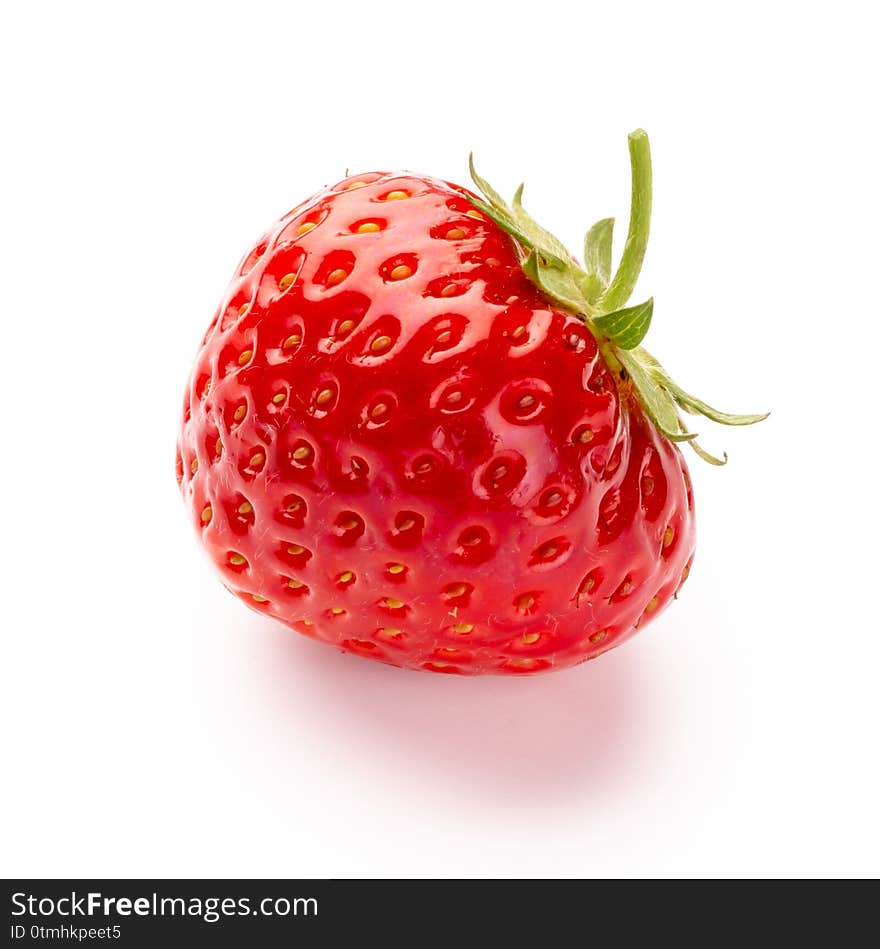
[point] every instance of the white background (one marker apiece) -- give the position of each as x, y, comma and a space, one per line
153, 726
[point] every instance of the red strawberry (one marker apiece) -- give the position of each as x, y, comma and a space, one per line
417, 430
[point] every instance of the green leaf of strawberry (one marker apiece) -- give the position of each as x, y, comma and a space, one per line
558, 282
597, 254
627, 327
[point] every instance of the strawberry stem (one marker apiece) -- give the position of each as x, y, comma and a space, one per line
624, 281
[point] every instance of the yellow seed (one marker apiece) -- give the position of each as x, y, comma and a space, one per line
389, 631
396, 568
587, 585
292, 341
218, 447
652, 605
406, 525
245, 507
336, 276
295, 584
549, 551
454, 234
444, 337
380, 344
668, 535
396, 196
368, 227
349, 524
256, 459
438, 665
457, 589
194, 467
286, 281
258, 599
237, 560
307, 622
245, 357
345, 577
337, 610
378, 410
525, 602
324, 396
243, 309
295, 550
586, 435
530, 638
356, 184
449, 290
598, 636
305, 228
345, 327
476, 214
401, 272
522, 663
463, 628
447, 649
207, 514
393, 604
207, 388
279, 397
526, 402
453, 397
302, 453
240, 413
518, 332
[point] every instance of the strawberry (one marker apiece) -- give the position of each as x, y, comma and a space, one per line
417, 430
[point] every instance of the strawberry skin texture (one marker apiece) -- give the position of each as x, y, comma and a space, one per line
394, 443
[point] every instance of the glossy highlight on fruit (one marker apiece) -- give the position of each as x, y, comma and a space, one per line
395, 442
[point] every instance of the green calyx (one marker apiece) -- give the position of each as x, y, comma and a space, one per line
599, 297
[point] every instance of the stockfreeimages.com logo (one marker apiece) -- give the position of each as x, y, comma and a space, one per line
211, 909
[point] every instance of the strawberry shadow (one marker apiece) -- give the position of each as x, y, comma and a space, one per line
499, 742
